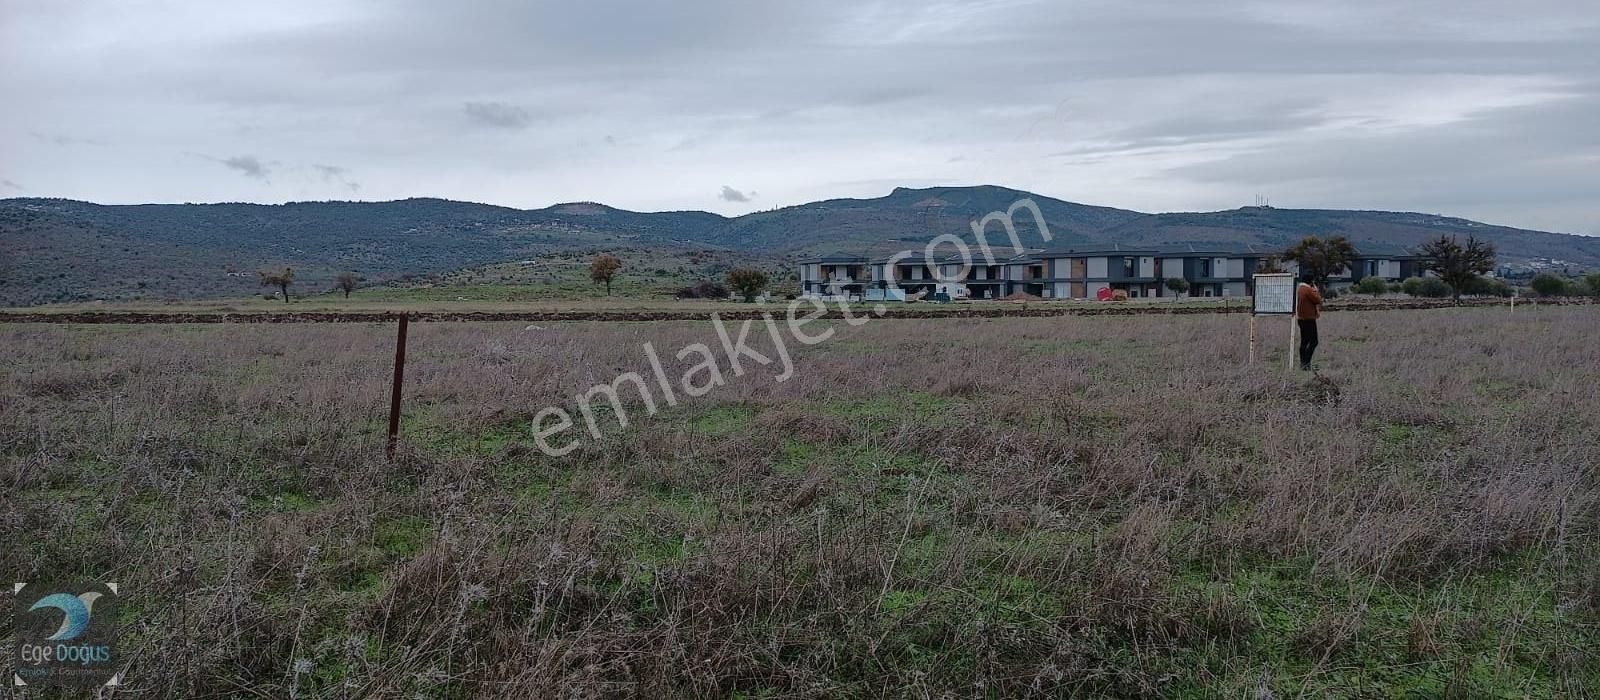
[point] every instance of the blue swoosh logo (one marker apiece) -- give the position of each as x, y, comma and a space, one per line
77, 614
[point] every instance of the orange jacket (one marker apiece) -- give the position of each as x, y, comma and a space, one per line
1308, 302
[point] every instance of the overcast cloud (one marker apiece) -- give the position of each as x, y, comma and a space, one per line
1476, 108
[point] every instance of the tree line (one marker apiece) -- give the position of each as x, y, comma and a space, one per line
1459, 268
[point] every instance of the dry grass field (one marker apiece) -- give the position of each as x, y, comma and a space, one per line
1038, 507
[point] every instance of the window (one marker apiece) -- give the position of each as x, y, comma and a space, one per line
1205, 267
1130, 267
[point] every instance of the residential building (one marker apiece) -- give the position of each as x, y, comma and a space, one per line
838, 274
1080, 273
1392, 263
1087, 272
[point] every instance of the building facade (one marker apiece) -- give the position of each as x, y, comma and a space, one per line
1082, 273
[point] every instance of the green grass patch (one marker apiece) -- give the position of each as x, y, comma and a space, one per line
1491, 634
891, 408
401, 537
722, 419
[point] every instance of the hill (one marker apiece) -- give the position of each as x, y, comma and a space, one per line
1272, 227
913, 216
63, 250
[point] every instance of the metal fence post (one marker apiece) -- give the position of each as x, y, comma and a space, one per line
399, 379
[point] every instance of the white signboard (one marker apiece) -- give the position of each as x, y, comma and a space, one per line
1274, 293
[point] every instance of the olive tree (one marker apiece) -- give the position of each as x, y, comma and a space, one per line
281, 280
747, 281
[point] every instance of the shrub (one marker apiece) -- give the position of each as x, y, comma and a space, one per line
1412, 286
1592, 283
704, 289
1371, 285
1433, 288
1549, 285
1485, 286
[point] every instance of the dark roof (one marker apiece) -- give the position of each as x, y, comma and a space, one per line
836, 258
1006, 254
1183, 250
1383, 250
1001, 255
1113, 249
1364, 250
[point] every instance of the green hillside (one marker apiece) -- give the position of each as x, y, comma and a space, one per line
57, 250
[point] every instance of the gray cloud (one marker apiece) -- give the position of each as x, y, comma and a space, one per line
498, 114
64, 140
11, 185
338, 175
250, 166
732, 195
1470, 107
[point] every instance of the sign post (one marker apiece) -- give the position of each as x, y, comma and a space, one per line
1274, 295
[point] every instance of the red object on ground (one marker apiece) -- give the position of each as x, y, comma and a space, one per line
1104, 294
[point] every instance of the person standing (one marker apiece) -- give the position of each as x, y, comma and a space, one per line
1307, 307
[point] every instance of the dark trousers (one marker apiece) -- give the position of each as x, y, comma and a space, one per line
1308, 340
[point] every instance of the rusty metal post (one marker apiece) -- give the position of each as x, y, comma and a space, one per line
399, 378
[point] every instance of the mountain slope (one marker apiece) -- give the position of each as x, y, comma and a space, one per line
1273, 227
55, 250
62, 250
915, 215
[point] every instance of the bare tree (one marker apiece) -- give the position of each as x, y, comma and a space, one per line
281, 280
347, 282
603, 268
1321, 259
1458, 265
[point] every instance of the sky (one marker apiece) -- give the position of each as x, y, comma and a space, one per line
1477, 108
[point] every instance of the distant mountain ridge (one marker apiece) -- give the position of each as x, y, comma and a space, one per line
65, 250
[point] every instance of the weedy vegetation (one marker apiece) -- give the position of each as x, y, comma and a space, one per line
1015, 507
